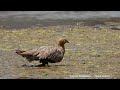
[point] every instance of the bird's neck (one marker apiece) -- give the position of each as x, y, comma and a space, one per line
62, 45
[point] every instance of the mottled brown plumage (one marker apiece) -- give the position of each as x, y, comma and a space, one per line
45, 54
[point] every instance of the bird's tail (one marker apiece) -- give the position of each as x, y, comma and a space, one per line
19, 52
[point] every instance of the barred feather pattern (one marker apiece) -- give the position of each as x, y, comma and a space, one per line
45, 52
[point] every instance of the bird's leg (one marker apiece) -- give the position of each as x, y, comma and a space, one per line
41, 65
44, 63
47, 63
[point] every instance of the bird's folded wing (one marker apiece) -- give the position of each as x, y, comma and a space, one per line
45, 52
50, 53
29, 52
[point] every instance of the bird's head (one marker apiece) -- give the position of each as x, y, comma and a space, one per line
62, 41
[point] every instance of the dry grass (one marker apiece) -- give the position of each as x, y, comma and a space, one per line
90, 52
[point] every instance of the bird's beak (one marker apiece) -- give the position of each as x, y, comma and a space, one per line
67, 41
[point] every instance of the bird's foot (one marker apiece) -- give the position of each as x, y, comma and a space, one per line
41, 65
25, 65
47, 65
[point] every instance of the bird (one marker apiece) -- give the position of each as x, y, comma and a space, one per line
45, 54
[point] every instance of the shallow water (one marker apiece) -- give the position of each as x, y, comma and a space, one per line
59, 15
28, 19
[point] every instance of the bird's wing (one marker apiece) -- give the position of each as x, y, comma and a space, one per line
29, 52
38, 51
52, 53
